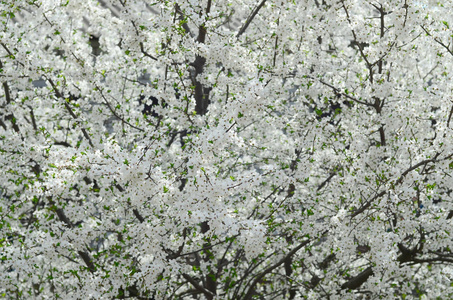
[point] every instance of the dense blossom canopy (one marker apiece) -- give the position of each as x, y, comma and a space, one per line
226, 149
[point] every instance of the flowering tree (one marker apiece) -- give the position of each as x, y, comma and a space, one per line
234, 149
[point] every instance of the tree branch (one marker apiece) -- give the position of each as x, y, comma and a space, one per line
69, 109
337, 91
113, 111
357, 281
251, 288
8, 101
250, 19
399, 181
84, 255
207, 293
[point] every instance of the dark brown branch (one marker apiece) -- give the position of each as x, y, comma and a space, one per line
142, 49
206, 248
275, 51
86, 258
357, 281
138, 216
201, 289
8, 101
251, 288
407, 255
202, 29
440, 253
3, 124
84, 255
201, 93
247, 272
11, 54
33, 119
62, 216
325, 181
6, 88
438, 41
223, 262
7, 50
11, 118
366, 205
431, 260
208, 7
360, 46
449, 116
69, 109
181, 18
289, 271
382, 18
405, 6
326, 261
382, 136
113, 111
63, 143
423, 162
250, 19
399, 181
337, 91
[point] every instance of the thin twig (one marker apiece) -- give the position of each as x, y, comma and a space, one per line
69, 109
